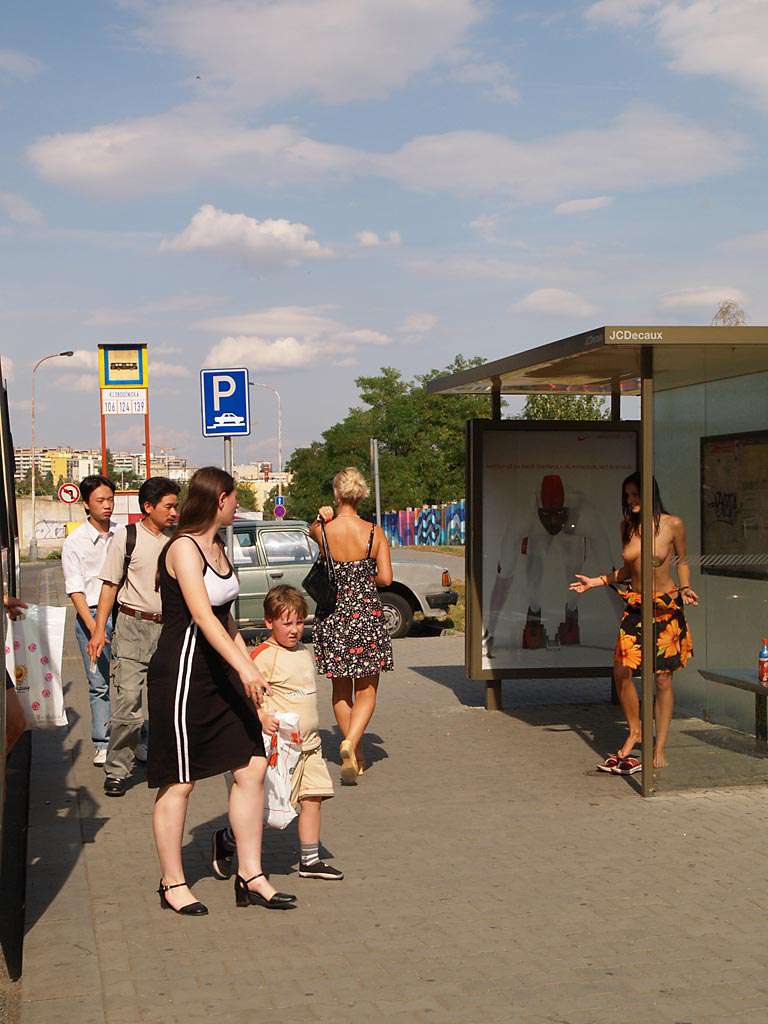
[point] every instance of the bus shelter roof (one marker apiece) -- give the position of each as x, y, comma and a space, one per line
607, 359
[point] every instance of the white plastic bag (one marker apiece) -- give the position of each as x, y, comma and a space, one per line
34, 647
283, 753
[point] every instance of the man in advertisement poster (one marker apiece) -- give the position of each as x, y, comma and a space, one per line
559, 523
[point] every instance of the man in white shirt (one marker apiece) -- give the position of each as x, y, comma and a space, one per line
82, 559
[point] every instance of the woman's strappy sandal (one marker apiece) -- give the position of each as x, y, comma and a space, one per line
196, 909
245, 897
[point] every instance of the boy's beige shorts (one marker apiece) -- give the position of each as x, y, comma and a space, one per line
311, 777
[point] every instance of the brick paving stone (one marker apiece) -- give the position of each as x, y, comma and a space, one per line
492, 876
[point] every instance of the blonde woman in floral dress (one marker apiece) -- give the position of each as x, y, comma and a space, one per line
352, 646
673, 641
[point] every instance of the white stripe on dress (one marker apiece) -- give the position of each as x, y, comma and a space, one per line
177, 701
185, 697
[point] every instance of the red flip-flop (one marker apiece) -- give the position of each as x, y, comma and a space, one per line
610, 764
629, 766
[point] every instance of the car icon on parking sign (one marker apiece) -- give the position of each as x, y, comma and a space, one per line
226, 419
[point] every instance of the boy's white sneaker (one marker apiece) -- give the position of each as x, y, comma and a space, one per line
100, 757
320, 870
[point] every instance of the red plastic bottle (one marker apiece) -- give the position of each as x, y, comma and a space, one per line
762, 663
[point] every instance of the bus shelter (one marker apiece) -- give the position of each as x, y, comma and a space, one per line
544, 504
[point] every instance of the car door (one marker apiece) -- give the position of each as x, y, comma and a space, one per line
252, 573
289, 554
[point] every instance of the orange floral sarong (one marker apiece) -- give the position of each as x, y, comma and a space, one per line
672, 637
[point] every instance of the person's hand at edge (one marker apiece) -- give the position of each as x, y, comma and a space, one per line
13, 605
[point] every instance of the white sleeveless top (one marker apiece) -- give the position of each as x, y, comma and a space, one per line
220, 588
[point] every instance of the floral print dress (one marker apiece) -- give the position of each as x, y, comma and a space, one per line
672, 637
353, 642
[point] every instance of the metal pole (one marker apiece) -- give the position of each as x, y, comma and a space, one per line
496, 398
228, 465
646, 563
376, 480
33, 539
276, 393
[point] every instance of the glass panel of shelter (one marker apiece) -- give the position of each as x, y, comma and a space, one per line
711, 466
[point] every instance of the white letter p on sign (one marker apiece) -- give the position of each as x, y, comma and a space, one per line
223, 387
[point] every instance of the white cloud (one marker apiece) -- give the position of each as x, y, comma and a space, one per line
18, 65
272, 242
289, 337
7, 366
277, 321
757, 241
175, 150
487, 226
476, 268
554, 302
264, 355
417, 326
708, 297
625, 13
107, 316
19, 210
158, 368
333, 50
725, 38
583, 205
85, 359
170, 151
372, 240
495, 79
545, 169
70, 383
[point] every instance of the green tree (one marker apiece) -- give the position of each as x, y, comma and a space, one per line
565, 407
246, 498
421, 443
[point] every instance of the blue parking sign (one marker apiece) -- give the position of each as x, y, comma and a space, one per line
225, 402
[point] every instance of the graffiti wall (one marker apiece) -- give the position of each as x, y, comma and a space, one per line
430, 525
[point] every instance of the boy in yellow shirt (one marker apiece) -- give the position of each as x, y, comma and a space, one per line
289, 669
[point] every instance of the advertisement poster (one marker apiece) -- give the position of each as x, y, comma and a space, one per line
551, 508
734, 505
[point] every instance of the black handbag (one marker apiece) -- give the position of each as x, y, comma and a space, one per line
320, 581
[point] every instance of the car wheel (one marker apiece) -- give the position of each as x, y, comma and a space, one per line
397, 614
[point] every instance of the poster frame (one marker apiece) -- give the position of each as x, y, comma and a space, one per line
476, 430
734, 572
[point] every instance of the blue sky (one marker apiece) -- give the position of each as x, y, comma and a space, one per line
317, 188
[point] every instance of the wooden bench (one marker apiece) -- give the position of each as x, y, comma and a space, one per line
745, 679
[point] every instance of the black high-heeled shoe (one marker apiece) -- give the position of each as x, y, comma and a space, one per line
246, 897
196, 909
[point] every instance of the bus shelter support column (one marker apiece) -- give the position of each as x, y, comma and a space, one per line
646, 563
496, 398
493, 701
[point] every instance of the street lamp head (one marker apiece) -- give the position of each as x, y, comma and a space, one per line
66, 353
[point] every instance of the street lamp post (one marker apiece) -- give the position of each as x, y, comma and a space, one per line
276, 393
33, 540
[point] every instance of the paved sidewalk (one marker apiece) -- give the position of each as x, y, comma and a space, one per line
492, 877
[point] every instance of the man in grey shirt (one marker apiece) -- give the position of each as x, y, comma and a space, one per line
128, 576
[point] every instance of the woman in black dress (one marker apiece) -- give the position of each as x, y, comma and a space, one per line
352, 645
203, 691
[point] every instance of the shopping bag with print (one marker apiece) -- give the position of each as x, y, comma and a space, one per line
283, 752
33, 651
